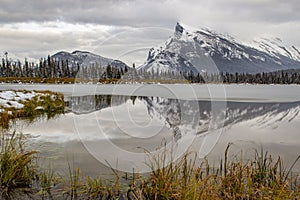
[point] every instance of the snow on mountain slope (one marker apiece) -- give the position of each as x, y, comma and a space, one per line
179, 53
201, 50
84, 58
276, 48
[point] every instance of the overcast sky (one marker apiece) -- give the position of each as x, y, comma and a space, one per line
126, 29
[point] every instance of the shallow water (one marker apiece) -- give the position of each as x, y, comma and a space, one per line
120, 126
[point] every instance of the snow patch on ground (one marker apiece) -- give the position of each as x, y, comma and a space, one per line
13, 99
16, 105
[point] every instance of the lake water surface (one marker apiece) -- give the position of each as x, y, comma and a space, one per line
116, 125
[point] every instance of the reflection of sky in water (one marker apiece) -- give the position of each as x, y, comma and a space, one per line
123, 121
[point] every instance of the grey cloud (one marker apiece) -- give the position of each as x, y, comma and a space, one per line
145, 12
40, 44
113, 42
115, 12
274, 11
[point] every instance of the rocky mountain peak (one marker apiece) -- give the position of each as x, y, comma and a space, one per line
190, 49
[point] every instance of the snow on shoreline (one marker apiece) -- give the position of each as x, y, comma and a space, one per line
15, 99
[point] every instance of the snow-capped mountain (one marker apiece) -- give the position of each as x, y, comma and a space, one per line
204, 50
84, 58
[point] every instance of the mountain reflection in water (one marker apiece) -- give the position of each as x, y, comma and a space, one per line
182, 116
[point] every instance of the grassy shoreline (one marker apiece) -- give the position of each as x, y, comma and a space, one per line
261, 177
29, 104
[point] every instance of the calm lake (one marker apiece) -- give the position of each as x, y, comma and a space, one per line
117, 126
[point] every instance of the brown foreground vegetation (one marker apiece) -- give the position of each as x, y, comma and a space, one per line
261, 177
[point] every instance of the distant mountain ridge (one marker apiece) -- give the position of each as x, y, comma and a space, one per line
85, 58
202, 50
